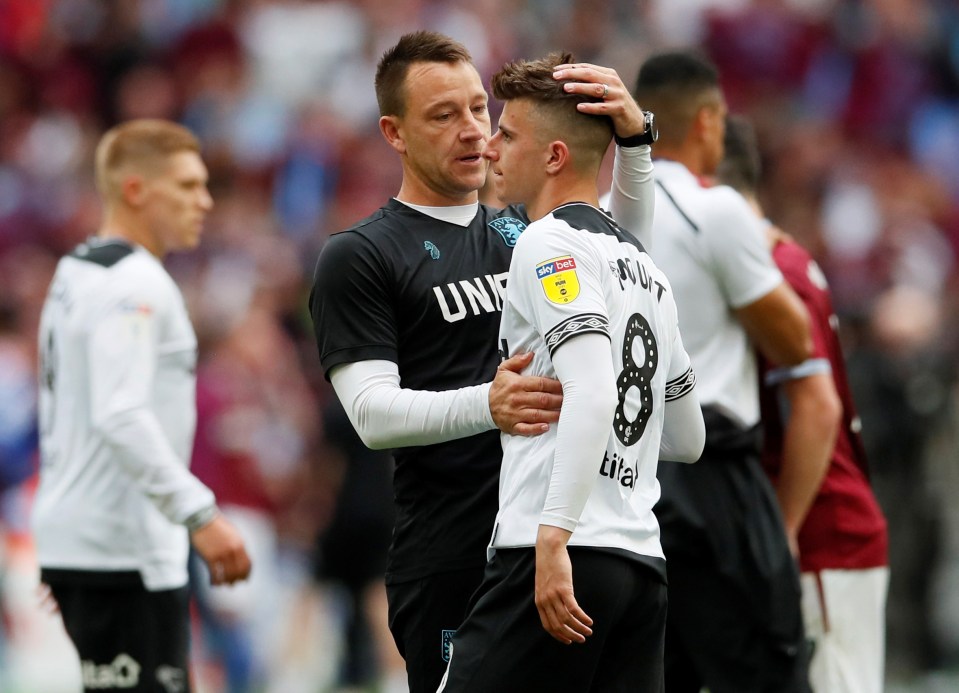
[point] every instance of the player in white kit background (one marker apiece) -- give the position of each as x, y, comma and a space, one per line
117, 506
575, 552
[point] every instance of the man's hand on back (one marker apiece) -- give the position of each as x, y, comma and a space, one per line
521, 404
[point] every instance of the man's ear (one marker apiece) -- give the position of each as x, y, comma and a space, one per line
133, 189
558, 157
702, 123
391, 128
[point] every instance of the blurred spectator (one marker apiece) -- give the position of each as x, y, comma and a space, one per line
902, 378
18, 406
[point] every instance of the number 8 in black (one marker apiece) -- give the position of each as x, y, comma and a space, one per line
640, 376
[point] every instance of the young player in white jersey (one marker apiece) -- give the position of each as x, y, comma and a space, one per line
117, 507
575, 554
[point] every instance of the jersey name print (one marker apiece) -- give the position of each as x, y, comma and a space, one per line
614, 289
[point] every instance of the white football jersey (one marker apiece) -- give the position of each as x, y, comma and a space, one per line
712, 247
573, 272
117, 418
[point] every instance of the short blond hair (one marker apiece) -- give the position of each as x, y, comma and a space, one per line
141, 146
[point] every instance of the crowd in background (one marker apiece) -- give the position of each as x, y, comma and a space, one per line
856, 104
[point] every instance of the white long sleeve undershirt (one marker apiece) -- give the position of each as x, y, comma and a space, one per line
684, 431
386, 415
584, 367
632, 194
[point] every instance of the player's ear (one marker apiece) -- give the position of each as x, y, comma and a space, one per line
703, 122
133, 189
391, 128
557, 157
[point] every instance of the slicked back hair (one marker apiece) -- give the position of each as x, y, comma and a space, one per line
741, 166
674, 86
415, 47
142, 145
587, 136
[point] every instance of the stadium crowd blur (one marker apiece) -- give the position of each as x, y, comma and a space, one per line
856, 104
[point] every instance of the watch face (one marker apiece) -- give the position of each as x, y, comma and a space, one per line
651, 126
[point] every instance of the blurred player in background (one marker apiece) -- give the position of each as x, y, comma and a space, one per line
116, 507
815, 457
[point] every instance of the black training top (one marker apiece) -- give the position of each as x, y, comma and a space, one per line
427, 295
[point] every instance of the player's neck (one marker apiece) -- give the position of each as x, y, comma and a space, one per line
414, 192
116, 224
560, 191
686, 155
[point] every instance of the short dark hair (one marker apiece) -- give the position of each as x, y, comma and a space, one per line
675, 85
533, 80
415, 47
741, 166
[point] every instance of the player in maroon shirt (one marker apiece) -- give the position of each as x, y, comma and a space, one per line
815, 457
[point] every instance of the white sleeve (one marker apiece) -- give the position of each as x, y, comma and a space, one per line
631, 200
122, 354
684, 431
738, 248
386, 415
584, 366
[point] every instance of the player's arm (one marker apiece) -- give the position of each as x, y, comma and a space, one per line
811, 427
584, 367
632, 196
386, 415
631, 200
122, 353
684, 431
778, 324
769, 310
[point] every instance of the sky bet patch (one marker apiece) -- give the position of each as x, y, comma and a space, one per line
559, 280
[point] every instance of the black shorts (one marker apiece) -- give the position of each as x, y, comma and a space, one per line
128, 638
503, 647
735, 623
424, 614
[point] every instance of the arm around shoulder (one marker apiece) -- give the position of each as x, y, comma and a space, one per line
386, 415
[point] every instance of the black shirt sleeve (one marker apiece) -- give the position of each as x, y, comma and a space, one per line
351, 303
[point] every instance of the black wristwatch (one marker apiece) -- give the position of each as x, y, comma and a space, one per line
648, 136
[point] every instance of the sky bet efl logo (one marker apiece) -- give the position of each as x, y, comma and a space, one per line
559, 280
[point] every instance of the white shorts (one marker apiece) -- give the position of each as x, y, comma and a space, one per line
845, 615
